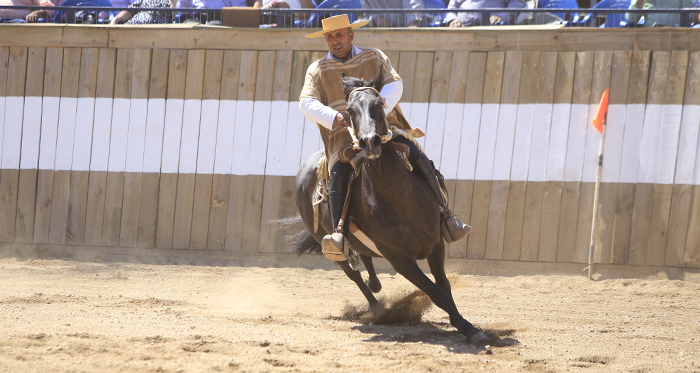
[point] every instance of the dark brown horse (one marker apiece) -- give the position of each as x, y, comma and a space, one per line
395, 208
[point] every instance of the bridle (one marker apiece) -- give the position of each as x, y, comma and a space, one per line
385, 137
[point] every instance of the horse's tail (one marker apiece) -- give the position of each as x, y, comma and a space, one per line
301, 242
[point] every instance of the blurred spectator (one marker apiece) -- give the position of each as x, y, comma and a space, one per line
210, 17
25, 15
657, 19
137, 17
474, 19
394, 19
286, 4
121, 3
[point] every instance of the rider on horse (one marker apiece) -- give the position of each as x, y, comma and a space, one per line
322, 101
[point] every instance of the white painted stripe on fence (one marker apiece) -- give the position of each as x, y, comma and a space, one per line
469, 143
434, 132
688, 145
66, 133
668, 144
102, 125
539, 147
31, 133
224, 137
449, 160
241, 141
631, 143
49, 131
294, 136
135, 145
172, 133
505, 135
2, 120
576, 145
83, 134
558, 139
207, 136
419, 119
309, 143
154, 135
406, 110
649, 147
276, 139
12, 137
190, 136
521, 143
487, 142
119, 135
259, 138
614, 135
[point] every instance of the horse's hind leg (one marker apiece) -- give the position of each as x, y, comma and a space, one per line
409, 269
437, 266
373, 281
356, 277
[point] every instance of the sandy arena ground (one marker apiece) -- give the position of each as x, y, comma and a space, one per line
72, 316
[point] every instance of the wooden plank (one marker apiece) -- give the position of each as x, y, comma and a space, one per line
64, 145
515, 209
607, 199
437, 107
207, 144
556, 157
476, 247
241, 150
468, 143
406, 69
31, 132
77, 203
666, 162
114, 192
256, 161
9, 175
184, 201
272, 195
571, 190
644, 193
218, 211
421, 92
47, 147
691, 255
602, 68
634, 121
177, 71
155, 122
97, 181
131, 203
534, 195
503, 156
684, 234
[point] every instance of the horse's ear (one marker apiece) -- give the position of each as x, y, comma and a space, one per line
377, 82
344, 75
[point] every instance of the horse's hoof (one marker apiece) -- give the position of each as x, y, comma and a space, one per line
374, 286
478, 337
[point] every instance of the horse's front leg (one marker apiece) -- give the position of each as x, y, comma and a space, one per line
356, 277
409, 269
373, 281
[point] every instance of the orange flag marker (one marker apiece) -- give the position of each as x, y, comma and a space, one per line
599, 117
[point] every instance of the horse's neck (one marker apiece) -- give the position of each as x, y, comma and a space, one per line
387, 173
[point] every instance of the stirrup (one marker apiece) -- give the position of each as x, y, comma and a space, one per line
335, 247
453, 229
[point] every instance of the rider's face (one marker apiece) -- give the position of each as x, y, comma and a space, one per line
340, 42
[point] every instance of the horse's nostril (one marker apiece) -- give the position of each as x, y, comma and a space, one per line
376, 141
363, 144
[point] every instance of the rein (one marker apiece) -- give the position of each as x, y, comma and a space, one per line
386, 137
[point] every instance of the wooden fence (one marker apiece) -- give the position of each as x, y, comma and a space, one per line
187, 138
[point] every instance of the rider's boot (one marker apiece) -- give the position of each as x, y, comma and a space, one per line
452, 228
335, 246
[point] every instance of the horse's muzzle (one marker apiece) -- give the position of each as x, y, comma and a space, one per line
372, 146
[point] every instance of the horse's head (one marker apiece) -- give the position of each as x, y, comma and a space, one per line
366, 110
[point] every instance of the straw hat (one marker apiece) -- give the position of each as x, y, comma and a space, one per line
336, 23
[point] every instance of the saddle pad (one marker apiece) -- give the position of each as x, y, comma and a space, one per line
362, 237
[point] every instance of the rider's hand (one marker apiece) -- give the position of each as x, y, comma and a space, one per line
341, 120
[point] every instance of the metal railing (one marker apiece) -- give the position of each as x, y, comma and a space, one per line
311, 18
